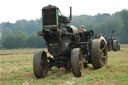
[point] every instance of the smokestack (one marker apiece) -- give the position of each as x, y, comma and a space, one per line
70, 13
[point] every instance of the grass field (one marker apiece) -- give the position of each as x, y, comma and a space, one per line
16, 69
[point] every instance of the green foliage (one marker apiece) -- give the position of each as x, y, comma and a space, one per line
124, 16
35, 41
22, 40
105, 24
22, 33
15, 40
22, 25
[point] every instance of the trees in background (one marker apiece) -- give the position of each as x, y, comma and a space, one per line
22, 40
35, 41
124, 17
15, 40
22, 33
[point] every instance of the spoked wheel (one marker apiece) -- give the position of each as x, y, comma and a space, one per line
40, 64
98, 53
77, 62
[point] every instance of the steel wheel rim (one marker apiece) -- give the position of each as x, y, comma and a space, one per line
103, 53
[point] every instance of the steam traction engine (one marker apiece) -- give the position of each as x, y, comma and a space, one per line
71, 48
112, 42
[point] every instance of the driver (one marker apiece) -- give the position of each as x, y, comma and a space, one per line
83, 28
101, 37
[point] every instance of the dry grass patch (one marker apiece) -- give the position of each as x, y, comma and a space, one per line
16, 69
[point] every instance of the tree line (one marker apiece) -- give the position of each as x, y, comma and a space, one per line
106, 23
22, 40
22, 34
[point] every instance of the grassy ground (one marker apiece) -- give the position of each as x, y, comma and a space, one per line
16, 69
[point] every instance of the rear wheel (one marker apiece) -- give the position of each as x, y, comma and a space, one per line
77, 62
115, 45
98, 53
40, 64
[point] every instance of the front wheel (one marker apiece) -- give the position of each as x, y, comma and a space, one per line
40, 64
77, 62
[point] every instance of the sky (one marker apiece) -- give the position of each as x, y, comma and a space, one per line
13, 10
